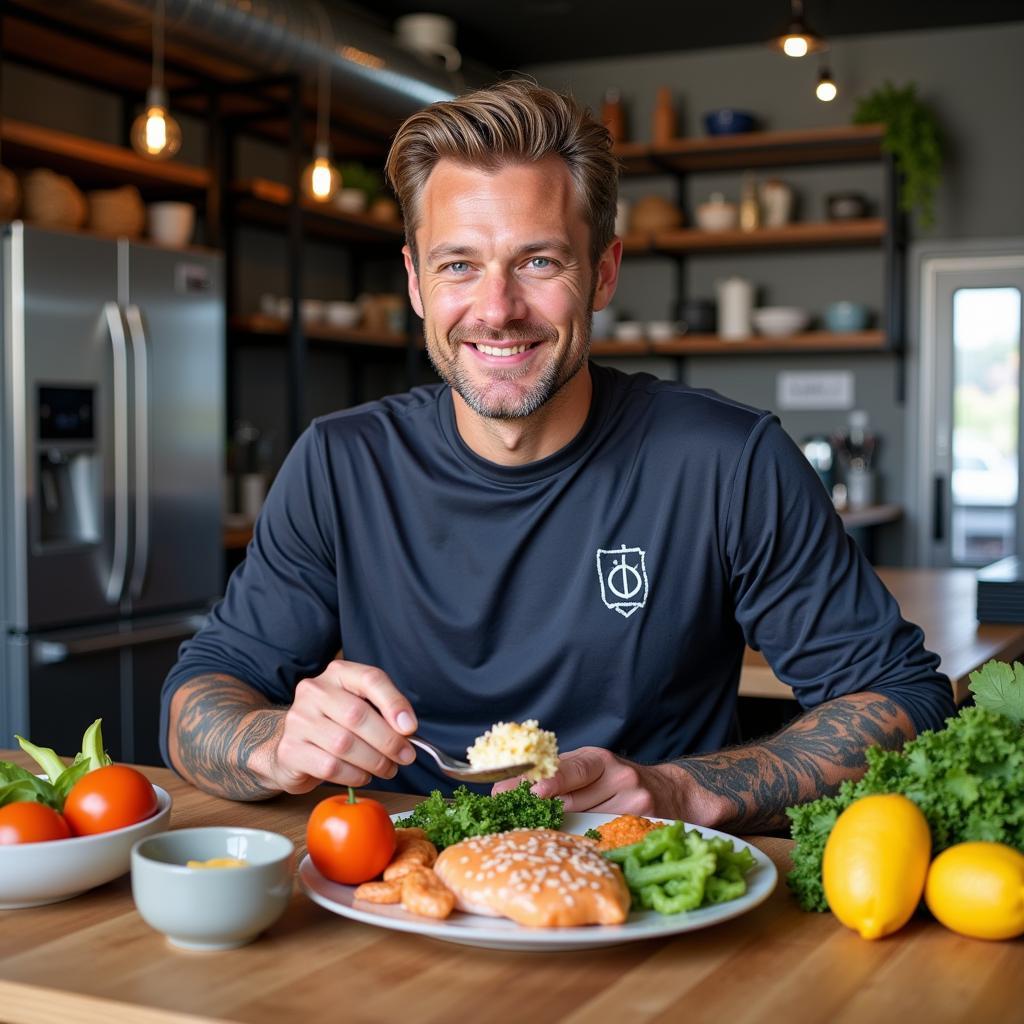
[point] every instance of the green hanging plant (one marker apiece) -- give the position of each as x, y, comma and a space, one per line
913, 136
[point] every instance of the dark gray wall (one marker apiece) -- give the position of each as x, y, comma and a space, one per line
974, 79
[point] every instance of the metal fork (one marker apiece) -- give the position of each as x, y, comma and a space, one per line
464, 770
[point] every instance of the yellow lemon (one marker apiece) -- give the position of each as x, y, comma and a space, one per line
977, 889
875, 864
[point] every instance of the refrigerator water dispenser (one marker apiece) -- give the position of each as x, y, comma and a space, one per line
67, 465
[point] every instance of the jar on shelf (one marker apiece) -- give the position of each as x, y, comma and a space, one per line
664, 127
750, 208
613, 115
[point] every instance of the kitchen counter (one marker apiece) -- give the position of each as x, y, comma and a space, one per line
943, 602
93, 959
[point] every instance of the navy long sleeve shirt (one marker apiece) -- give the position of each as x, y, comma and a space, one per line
606, 591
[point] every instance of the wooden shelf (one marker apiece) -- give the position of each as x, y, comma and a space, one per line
95, 163
868, 231
273, 328
818, 342
267, 202
754, 149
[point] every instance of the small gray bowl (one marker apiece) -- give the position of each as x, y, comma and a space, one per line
212, 908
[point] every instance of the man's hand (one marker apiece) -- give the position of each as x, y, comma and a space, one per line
592, 779
346, 725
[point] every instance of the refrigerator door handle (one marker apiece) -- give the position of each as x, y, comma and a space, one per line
52, 652
119, 561
140, 354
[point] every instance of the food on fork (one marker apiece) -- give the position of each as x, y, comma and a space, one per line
537, 877
507, 743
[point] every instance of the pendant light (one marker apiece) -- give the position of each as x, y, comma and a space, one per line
154, 132
826, 90
320, 179
797, 40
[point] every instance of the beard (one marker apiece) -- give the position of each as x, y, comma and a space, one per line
505, 395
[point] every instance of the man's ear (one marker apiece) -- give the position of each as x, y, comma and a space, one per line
607, 275
414, 282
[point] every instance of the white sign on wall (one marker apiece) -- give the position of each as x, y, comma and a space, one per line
814, 389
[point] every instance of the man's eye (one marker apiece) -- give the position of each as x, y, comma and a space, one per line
541, 263
458, 267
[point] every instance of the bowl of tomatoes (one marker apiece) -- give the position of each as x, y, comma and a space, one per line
73, 827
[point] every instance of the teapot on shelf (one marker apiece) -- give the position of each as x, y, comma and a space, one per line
735, 305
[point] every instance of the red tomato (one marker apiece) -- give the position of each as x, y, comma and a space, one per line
25, 821
350, 840
109, 798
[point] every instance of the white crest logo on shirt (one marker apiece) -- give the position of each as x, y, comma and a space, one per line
623, 575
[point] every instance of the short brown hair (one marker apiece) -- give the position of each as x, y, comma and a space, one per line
515, 121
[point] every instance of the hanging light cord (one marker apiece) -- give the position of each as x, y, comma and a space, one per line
323, 103
158, 45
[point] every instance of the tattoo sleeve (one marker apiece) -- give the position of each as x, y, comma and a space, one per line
809, 758
217, 725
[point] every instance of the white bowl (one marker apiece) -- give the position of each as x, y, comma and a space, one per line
212, 908
629, 330
343, 314
778, 321
351, 200
171, 223
717, 216
312, 310
32, 874
661, 330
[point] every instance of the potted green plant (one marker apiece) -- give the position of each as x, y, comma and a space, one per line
913, 136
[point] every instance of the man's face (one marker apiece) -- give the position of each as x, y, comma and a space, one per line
505, 286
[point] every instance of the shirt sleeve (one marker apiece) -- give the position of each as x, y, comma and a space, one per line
278, 622
807, 598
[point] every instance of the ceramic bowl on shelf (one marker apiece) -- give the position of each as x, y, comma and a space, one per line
171, 224
846, 206
728, 121
629, 330
780, 321
843, 317
717, 214
312, 311
660, 330
33, 874
211, 908
343, 314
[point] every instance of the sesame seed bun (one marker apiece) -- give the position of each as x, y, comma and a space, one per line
537, 877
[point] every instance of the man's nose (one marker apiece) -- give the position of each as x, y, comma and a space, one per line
499, 299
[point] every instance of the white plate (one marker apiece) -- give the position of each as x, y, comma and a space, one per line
501, 933
32, 874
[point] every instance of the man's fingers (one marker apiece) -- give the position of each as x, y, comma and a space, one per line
375, 685
577, 769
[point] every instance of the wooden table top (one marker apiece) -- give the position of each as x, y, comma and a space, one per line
943, 603
93, 960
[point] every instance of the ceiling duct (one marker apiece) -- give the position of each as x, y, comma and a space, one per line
370, 70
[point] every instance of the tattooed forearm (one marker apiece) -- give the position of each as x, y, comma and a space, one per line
217, 725
807, 759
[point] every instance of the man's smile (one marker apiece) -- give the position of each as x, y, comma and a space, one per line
490, 352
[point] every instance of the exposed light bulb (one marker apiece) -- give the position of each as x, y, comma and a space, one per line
826, 90
795, 46
154, 132
321, 180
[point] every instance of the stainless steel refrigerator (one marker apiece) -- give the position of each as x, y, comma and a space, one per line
111, 466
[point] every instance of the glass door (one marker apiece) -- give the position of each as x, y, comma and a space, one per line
971, 408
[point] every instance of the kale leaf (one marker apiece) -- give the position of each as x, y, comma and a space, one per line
968, 780
1000, 687
470, 814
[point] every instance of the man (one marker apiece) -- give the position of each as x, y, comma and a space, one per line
540, 537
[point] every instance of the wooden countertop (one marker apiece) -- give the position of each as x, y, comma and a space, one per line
943, 603
93, 959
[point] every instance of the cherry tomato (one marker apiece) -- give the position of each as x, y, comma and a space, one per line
350, 840
109, 798
25, 821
